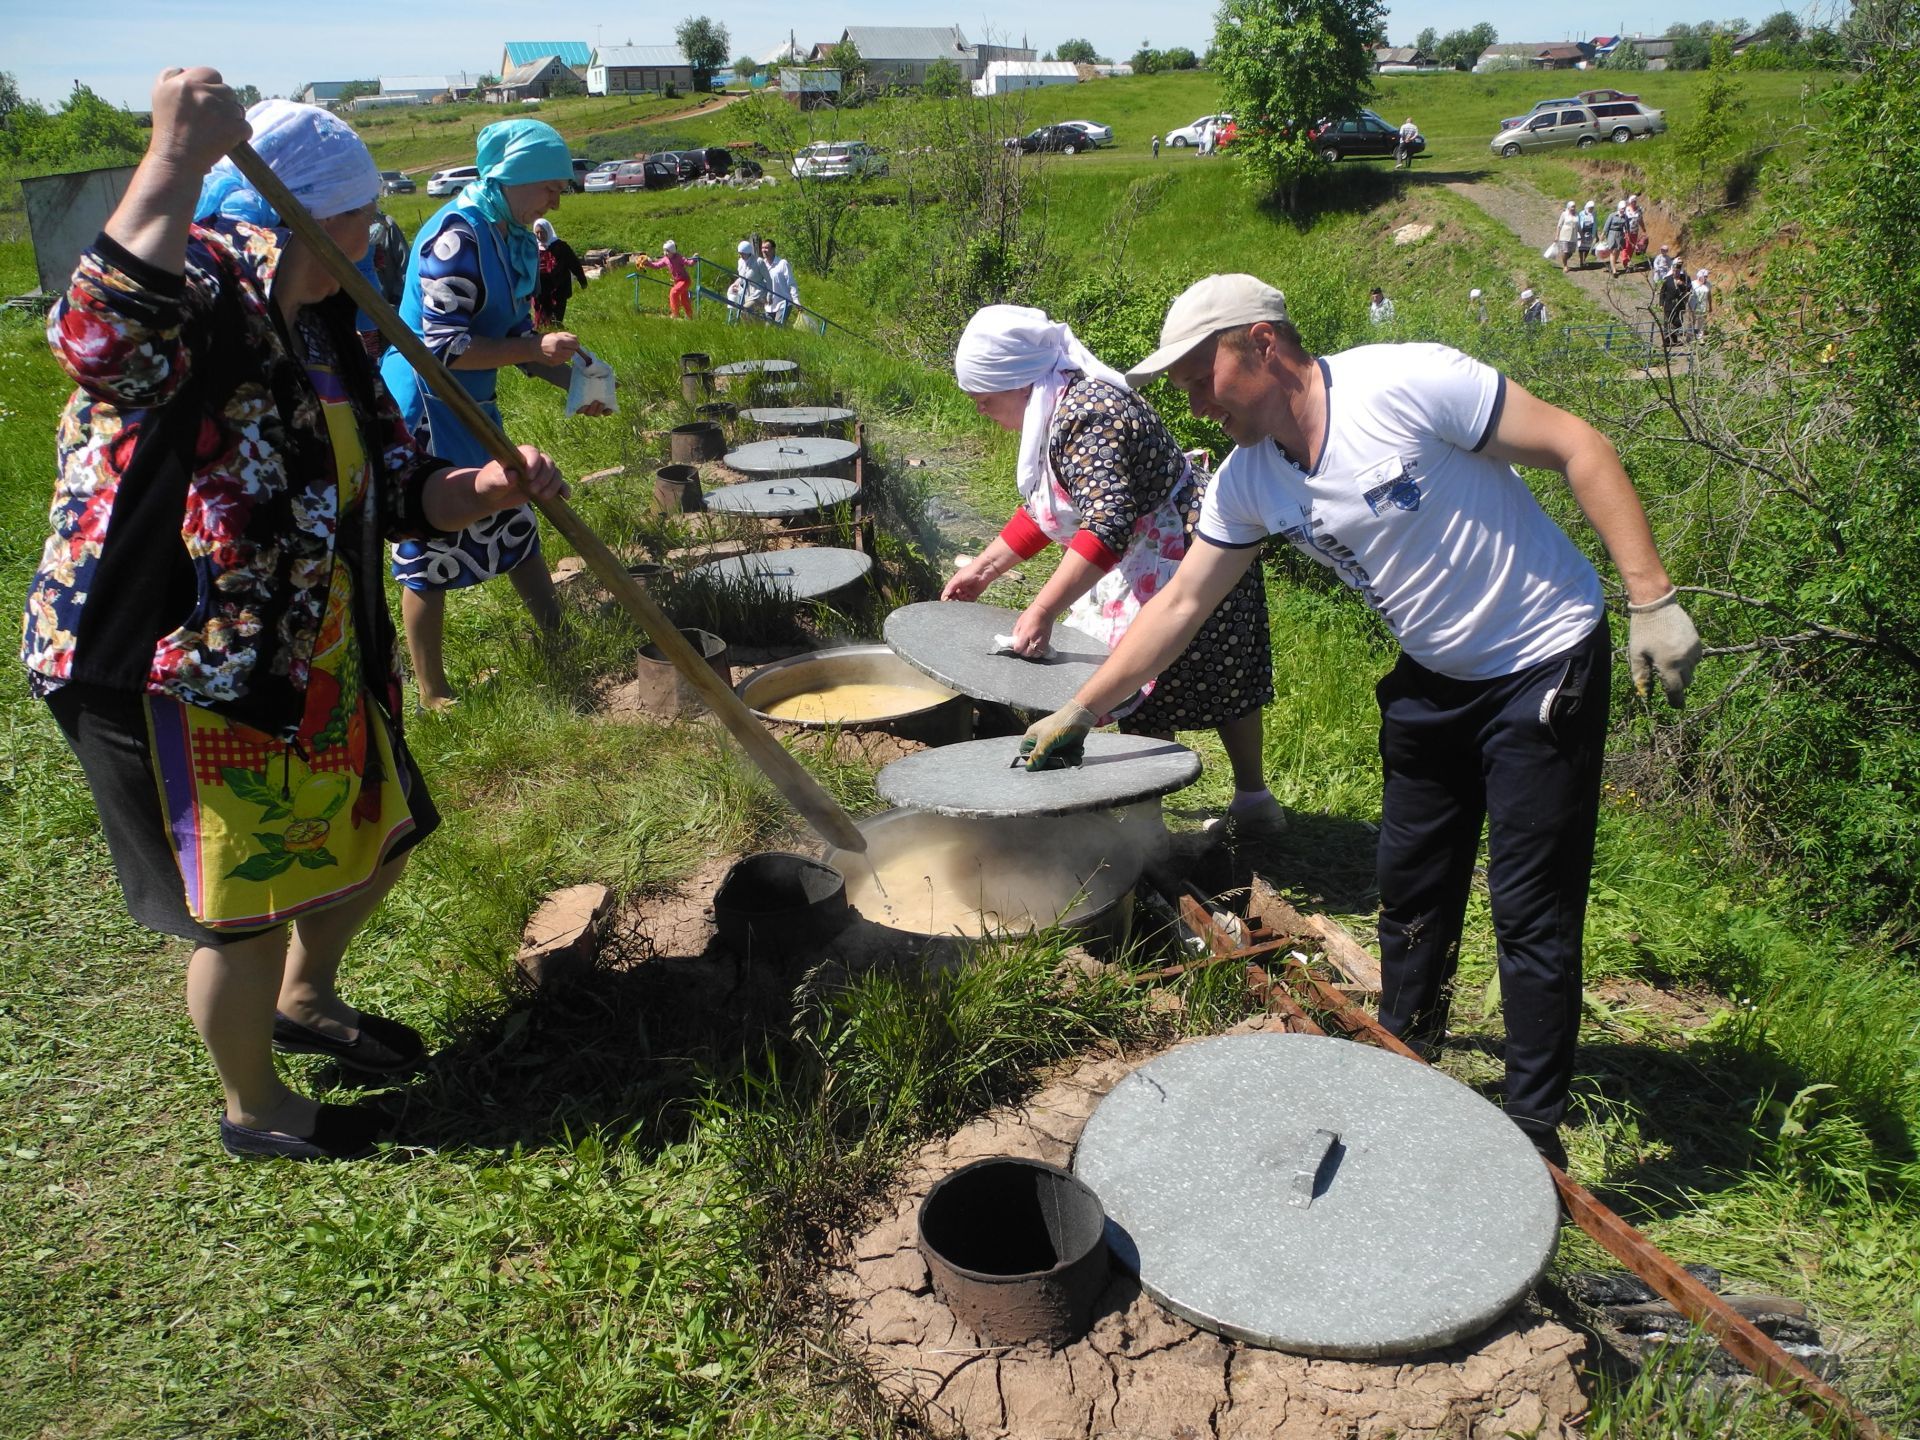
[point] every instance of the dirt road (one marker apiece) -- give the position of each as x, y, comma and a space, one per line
708, 106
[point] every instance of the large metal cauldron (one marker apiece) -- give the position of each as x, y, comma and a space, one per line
1077, 871
930, 712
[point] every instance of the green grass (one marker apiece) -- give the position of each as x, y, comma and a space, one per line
616, 1223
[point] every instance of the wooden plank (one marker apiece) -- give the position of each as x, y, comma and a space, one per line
1346, 954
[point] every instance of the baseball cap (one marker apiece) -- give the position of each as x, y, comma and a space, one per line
1526, 294
1203, 310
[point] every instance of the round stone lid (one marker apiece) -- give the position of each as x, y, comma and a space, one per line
980, 778
791, 455
780, 499
757, 367
952, 639
809, 573
796, 417
1317, 1195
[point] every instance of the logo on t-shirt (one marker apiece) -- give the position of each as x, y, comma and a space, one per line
1391, 484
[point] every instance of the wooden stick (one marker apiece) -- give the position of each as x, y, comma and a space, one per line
815, 805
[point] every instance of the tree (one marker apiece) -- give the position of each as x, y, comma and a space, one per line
1690, 52
1705, 140
745, 67
943, 80
565, 83
1078, 52
1146, 60
1780, 28
248, 95
1179, 58
1283, 65
704, 43
10, 98
1627, 56
1462, 48
1427, 41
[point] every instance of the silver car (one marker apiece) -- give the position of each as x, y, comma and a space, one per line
1548, 130
1625, 120
447, 182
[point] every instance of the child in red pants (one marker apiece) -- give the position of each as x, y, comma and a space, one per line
679, 301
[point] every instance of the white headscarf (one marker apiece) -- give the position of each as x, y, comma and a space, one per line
543, 231
1007, 346
669, 248
313, 152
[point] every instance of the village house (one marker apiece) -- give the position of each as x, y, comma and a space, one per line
534, 80
1003, 77
901, 54
1402, 60
576, 55
638, 69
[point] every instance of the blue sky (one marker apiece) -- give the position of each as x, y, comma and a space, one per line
118, 46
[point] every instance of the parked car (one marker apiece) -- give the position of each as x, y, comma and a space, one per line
676, 164
600, 179
837, 159
1600, 97
1362, 134
1190, 134
1539, 107
392, 182
1060, 139
707, 160
446, 182
1625, 120
649, 173
1095, 133
1548, 130
581, 168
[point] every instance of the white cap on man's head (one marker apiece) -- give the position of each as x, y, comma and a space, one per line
745, 247
1203, 310
1526, 294
1473, 295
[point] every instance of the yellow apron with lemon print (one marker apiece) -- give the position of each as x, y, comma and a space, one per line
265, 829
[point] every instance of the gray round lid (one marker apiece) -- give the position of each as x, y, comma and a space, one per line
779, 499
1317, 1195
796, 417
803, 574
952, 641
757, 367
979, 778
791, 455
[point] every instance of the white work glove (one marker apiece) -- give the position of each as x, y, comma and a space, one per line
1661, 641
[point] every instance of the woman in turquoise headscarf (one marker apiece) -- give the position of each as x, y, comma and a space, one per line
468, 295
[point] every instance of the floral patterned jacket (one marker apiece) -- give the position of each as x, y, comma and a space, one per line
194, 524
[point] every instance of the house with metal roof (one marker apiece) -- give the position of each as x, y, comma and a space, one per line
900, 54
535, 80
576, 55
325, 92
412, 89
1552, 55
1401, 60
638, 69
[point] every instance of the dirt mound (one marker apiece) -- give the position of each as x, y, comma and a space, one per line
1142, 1372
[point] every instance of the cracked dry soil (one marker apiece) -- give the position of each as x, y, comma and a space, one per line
1141, 1373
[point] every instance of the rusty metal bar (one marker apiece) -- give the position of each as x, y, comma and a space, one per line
1740, 1337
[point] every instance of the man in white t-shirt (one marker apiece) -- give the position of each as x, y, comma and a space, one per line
1392, 465
785, 291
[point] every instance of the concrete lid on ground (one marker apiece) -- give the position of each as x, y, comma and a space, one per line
812, 573
784, 498
1318, 1196
791, 455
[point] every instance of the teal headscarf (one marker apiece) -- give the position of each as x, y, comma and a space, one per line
516, 152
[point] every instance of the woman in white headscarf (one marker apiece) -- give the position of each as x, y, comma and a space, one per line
1100, 475
208, 624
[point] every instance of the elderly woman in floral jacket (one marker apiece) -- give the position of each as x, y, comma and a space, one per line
207, 624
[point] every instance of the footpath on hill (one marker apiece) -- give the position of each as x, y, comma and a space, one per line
1529, 214
708, 106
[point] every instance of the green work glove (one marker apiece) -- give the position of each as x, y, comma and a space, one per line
1059, 740
1661, 641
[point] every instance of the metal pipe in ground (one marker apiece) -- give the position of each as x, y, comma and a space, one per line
1740, 1337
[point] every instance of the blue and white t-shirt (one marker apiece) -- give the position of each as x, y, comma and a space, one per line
1447, 544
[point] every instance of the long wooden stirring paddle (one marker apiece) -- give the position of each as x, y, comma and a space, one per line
816, 806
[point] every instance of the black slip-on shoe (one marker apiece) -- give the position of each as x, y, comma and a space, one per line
383, 1047
340, 1132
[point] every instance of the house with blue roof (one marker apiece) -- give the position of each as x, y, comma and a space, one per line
576, 55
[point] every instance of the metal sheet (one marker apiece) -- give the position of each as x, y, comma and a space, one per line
1318, 1196
792, 455
804, 574
783, 499
950, 640
979, 779
757, 367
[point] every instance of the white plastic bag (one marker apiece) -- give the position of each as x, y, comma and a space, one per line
589, 381
1552, 252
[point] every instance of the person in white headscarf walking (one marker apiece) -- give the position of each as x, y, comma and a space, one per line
1588, 233
1566, 235
1100, 475
752, 289
1699, 305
